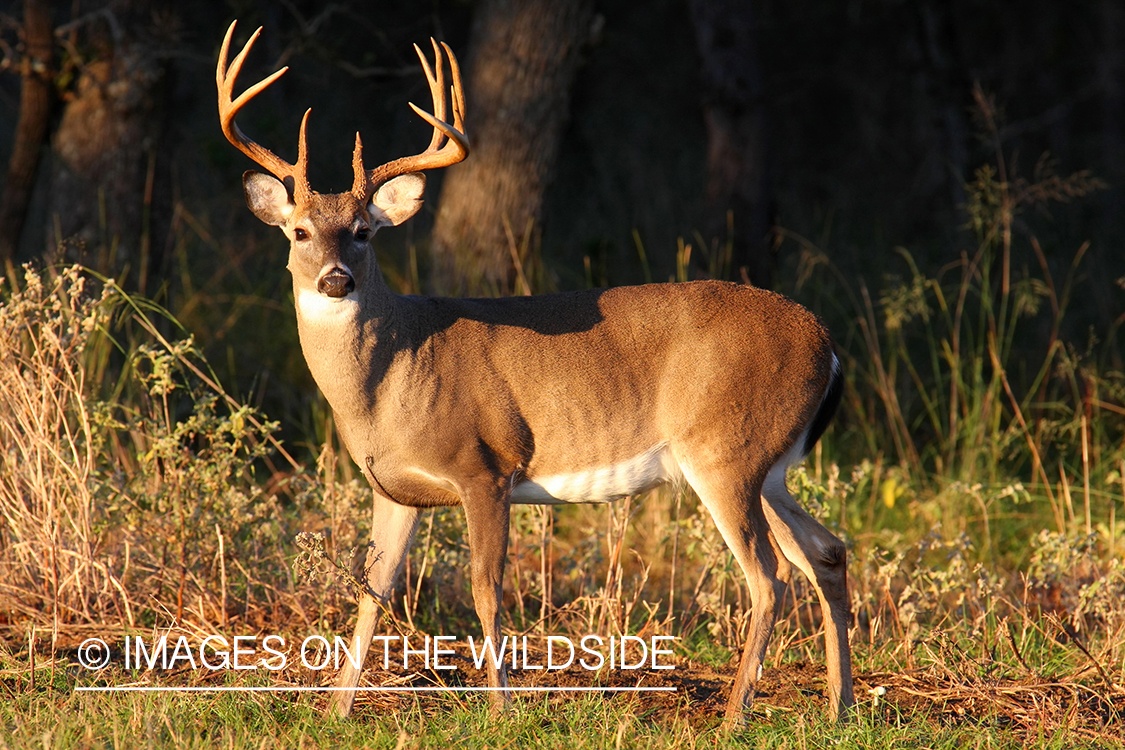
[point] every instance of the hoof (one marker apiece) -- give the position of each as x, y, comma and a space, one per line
340, 705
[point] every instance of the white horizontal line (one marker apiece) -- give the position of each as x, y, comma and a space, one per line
299, 689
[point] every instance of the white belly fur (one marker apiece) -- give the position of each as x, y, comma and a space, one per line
598, 484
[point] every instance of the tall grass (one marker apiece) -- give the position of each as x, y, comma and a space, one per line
131, 485
50, 447
982, 408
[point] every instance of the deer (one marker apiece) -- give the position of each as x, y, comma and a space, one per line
578, 396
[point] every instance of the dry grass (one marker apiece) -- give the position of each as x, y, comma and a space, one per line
50, 562
134, 499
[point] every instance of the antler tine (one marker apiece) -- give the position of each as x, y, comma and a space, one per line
224, 80
456, 92
454, 150
437, 88
359, 184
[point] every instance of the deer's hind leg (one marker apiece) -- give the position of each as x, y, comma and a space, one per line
734, 502
823, 559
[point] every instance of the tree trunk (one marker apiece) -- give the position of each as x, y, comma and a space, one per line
31, 130
523, 58
734, 111
105, 149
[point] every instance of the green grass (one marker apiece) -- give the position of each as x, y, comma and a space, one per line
58, 718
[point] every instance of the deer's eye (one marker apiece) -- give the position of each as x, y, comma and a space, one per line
300, 234
362, 235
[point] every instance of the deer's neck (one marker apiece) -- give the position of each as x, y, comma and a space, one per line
348, 343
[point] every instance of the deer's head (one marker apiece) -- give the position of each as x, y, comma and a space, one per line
329, 234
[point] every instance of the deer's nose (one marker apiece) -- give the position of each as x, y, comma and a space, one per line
336, 283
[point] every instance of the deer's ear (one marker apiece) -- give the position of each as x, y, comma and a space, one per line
267, 197
397, 200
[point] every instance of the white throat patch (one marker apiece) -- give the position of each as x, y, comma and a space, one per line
314, 307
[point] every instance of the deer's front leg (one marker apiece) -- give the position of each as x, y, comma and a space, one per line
392, 530
487, 511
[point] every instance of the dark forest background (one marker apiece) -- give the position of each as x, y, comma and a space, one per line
772, 137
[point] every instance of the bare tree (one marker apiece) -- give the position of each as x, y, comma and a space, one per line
738, 174
31, 130
522, 59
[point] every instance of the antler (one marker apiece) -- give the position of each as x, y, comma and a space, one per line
456, 148
295, 175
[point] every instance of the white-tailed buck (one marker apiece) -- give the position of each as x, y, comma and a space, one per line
576, 397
